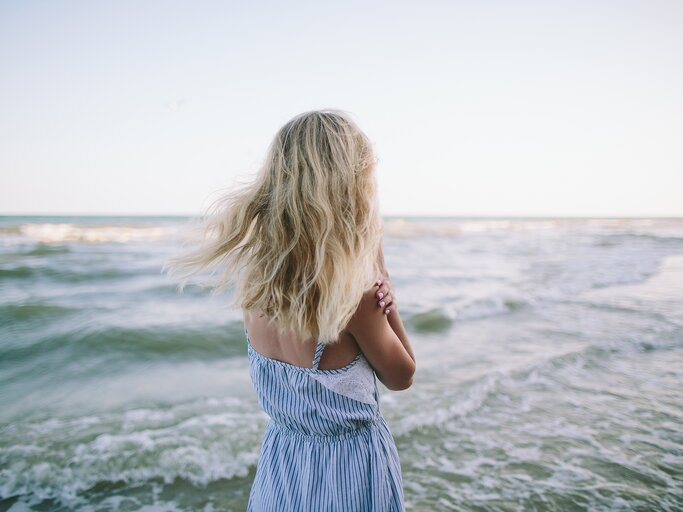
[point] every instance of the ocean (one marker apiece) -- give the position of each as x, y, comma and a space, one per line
549, 355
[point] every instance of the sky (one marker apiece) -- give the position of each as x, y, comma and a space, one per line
484, 108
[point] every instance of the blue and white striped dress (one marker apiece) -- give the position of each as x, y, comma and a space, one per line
326, 447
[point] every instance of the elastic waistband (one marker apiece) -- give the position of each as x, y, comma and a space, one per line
326, 438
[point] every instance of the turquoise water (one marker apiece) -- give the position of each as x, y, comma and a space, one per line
550, 364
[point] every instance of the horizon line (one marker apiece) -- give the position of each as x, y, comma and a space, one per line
388, 216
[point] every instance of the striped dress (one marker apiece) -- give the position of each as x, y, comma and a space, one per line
326, 447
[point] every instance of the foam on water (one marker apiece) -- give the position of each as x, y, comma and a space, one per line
584, 428
61, 459
58, 233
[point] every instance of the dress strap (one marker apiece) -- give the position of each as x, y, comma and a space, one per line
319, 347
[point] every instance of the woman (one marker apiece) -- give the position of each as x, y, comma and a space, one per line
302, 244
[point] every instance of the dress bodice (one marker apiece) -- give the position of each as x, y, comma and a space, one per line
314, 401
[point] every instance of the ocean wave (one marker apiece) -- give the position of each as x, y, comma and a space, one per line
57, 233
19, 272
85, 337
545, 431
406, 227
472, 396
30, 311
468, 401
435, 320
42, 249
62, 461
141, 229
80, 342
441, 319
415, 228
496, 304
623, 308
73, 274
675, 237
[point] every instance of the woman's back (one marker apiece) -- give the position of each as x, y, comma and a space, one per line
290, 348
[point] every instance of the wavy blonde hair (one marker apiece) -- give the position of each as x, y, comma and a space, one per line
301, 242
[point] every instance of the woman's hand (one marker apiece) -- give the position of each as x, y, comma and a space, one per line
384, 295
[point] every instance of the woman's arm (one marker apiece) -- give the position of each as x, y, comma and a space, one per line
397, 326
382, 337
386, 301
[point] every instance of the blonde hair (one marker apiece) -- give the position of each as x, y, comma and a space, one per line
301, 242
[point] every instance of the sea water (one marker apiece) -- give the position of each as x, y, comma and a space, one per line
549, 355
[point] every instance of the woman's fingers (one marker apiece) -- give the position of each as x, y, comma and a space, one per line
384, 297
386, 303
382, 291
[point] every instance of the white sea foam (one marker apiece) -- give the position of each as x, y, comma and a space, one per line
418, 227
457, 406
203, 448
410, 228
661, 293
66, 232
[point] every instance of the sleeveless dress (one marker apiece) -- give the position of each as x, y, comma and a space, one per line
326, 446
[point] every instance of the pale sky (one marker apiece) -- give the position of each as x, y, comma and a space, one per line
475, 108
